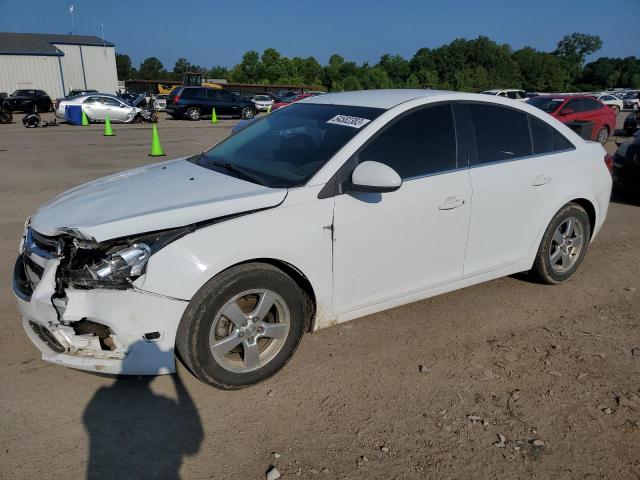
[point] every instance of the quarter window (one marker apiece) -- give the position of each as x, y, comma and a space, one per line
547, 139
501, 133
420, 143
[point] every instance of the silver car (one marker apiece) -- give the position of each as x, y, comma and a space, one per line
98, 105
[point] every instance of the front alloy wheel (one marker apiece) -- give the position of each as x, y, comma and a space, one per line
243, 325
249, 331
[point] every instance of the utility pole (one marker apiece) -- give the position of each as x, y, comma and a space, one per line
73, 20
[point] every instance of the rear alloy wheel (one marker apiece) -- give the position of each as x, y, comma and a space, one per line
603, 135
193, 113
248, 113
242, 326
564, 245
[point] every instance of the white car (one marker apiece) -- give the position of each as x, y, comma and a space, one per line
263, 102
612, 101
160, 103
337, 207
98, 106
511, 93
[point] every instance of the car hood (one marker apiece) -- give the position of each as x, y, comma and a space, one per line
164, 195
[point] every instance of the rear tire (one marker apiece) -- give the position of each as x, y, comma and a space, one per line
603, 135
253, 342
563, 246
193, 113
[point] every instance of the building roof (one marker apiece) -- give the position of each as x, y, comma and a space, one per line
43, 43
374, 98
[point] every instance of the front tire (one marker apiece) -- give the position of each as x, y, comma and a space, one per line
563, 246
242, 326
248, 113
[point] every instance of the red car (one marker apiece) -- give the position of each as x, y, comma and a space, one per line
290, 100
581, 108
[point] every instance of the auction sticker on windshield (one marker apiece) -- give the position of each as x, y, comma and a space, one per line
347, 121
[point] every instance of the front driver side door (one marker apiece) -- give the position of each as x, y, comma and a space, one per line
394, 244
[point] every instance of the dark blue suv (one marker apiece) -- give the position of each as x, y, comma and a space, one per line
195, 103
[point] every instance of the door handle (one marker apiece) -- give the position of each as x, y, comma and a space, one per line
451, 203
541, 180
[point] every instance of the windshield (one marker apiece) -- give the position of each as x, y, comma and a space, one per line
548, 104
261, 98
287, 147
21, 93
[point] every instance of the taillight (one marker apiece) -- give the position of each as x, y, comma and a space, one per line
608, 161
176, 99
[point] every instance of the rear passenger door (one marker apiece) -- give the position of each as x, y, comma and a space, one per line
512, 177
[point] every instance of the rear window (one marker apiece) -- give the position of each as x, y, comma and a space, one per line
547, 104
501, 133
547, 139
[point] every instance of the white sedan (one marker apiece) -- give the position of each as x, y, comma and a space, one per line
99, 106
337, 207
612, 101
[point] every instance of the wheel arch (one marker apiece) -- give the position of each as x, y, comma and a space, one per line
296, 274
589, 208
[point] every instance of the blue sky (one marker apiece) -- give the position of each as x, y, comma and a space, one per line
218, 33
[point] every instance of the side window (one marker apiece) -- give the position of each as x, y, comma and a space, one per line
573, 105
589, 104
92, 100
501, 133
547, 139
224, 95
192, 93
111, 102
512, 94
421, 143
211, 94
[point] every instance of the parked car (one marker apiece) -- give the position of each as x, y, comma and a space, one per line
579, 108
631, 123
611, 101
513, 94
631, 101
626, 167
262, 102
26, 100
160, 102
98, 105
75, 93
195, 103
289, 100
336, 207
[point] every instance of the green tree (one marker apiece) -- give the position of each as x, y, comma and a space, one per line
397, 68
152, 69
123, 66
273, 65
351, 83
181, 66
218, 71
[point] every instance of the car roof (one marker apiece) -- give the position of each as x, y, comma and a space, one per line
565, 96
374, 98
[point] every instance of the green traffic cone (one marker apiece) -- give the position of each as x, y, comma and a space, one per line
156, 148
85, 119
107, 128
214, 117
268, 108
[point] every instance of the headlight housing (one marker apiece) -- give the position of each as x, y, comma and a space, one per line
114, 263
121, 264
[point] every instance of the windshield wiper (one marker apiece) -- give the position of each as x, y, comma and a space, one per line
241, 172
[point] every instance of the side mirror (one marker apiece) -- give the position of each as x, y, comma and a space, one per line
566, 111
375, 177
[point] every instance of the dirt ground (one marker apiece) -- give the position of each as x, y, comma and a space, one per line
509, 379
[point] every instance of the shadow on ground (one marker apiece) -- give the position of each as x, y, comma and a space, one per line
136, 434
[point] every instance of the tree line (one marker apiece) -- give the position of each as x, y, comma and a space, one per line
463, 65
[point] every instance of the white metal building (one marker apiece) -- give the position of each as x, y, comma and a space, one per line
56, 63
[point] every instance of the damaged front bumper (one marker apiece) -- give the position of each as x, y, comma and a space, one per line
129, 332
